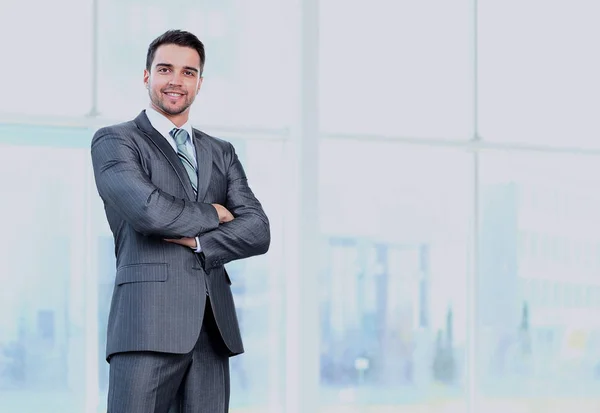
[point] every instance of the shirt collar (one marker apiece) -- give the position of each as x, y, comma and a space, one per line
162, 124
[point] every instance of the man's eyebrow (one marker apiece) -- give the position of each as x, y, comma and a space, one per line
169, 65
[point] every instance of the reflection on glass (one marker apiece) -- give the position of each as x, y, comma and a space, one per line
538, 324
393, 303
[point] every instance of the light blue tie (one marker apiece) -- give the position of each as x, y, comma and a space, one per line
181, 137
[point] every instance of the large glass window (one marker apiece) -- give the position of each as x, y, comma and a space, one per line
46, 64
538, 79
393, 307
458, 280
397, 68
538, 300
44, 311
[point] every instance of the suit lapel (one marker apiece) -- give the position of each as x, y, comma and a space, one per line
204, 160
155, 137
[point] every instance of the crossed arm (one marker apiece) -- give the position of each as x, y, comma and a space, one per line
243, 232
125, 186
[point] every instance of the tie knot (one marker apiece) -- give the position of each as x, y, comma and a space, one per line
180, 136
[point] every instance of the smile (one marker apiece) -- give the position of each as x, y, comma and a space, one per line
173, 94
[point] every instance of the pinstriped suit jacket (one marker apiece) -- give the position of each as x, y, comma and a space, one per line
160, 287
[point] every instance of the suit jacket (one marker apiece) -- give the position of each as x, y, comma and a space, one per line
160, 287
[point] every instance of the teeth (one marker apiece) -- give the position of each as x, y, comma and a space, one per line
174, 94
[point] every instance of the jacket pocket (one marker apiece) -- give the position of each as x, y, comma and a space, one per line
136, 273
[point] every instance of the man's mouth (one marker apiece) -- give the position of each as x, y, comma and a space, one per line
173, 94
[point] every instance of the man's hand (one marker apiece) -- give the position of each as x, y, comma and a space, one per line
186, 242
224, 214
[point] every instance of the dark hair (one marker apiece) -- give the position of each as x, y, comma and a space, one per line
179, 38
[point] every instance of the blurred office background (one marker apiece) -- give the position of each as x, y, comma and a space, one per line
432, 174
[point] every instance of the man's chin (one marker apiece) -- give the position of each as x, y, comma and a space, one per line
173, 111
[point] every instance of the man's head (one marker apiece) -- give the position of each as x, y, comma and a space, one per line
173, 73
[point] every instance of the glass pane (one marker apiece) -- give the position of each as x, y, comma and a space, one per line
249, 71
539, 291
47, 57
538, 81
393, 326
257, 286
397, 67
44, 323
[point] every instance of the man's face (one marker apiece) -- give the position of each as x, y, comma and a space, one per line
174, 81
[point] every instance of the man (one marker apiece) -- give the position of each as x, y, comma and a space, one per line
179, 206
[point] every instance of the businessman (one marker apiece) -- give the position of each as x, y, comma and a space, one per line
179, 206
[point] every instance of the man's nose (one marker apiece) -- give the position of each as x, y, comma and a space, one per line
175, 79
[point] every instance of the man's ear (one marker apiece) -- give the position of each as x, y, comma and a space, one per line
146, 78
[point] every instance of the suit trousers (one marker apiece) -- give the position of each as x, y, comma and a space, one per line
151, 382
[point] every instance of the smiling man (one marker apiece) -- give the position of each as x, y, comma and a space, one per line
179, 206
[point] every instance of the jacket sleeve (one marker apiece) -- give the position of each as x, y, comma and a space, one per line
124, 185
249, 232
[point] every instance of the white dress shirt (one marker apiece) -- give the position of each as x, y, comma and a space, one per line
164, 126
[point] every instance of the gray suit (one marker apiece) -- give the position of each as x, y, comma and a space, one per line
161, 289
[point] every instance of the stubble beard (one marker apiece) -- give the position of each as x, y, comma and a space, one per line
158, 100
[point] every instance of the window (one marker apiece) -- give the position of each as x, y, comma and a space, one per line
47, 64
561, 291
386, 347
44, 321
397, 68
538, 82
